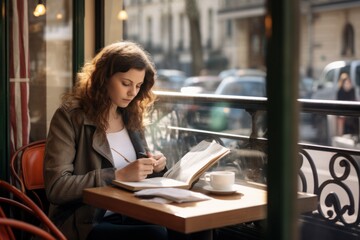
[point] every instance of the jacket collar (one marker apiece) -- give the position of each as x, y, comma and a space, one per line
99, 140
101, 144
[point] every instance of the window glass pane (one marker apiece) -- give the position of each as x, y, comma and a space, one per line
205, 46
330, 78
194, 49
50, 41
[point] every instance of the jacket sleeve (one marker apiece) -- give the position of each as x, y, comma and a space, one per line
66, 174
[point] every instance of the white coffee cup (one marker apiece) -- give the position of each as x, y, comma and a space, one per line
221, 180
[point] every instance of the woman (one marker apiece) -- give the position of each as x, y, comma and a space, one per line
346, 92
95, 136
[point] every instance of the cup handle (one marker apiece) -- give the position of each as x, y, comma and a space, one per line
207, 177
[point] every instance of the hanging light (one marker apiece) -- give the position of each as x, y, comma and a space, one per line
59, 16
40, 9
122, 15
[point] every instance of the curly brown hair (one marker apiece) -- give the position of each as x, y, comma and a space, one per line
90, 92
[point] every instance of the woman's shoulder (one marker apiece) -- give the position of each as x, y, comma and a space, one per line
71, 105
70, 111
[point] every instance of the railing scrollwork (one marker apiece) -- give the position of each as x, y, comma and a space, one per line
338, 203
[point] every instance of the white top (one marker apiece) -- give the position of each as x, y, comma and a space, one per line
120, 144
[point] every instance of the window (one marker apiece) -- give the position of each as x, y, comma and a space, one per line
229, 28
232, 35
348, 39
210, 23
329, 78
181, 31
149, 33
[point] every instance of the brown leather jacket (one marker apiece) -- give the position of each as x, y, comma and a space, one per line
77, 156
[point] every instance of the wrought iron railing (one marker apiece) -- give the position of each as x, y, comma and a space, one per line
332, 173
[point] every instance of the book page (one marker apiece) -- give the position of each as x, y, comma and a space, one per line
172, 194
185, 171
196, 160
151, 183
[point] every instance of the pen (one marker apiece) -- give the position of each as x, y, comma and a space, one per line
144, 155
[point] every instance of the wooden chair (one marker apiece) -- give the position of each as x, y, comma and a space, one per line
26, 168
14, 198
6, 234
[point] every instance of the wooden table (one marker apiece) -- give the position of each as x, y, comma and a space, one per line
248, 204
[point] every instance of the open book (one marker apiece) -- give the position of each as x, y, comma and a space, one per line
186, 171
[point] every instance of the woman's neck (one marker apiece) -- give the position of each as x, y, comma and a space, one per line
115, 121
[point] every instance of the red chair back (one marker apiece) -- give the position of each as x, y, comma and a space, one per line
32, 162
26, 168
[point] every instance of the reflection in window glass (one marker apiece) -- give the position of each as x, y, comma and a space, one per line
50, 38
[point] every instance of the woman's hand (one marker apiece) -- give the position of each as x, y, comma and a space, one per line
142, 167
160, 159
137, 170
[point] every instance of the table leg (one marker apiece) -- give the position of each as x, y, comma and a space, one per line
203, 235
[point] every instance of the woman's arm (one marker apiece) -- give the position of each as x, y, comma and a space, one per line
70, 166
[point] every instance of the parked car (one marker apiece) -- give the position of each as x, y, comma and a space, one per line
169, 80
228, 72
222, 117
201, 84
243, 86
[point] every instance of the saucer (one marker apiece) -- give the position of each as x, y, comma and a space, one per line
220, 192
